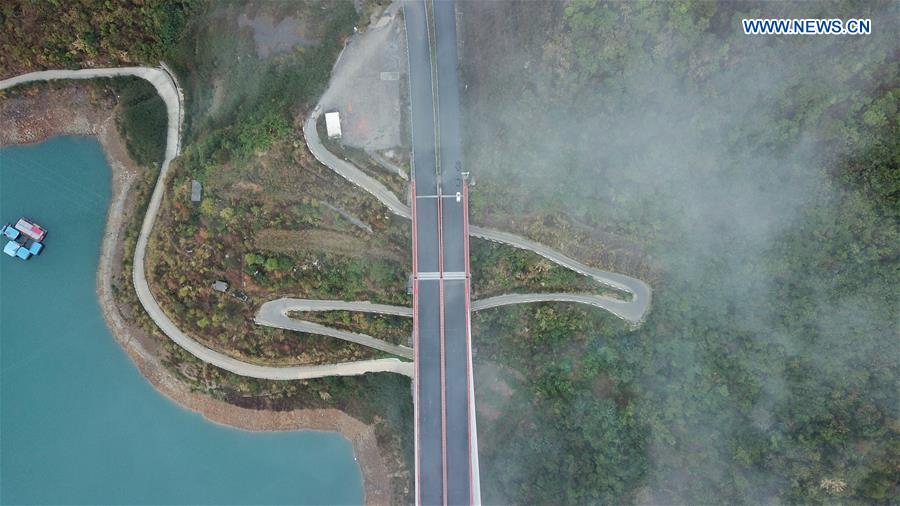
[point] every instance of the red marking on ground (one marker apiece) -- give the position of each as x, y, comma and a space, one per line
415, 341
443, 355
414, 233
469, 376
466, 226
471, 405
361, 127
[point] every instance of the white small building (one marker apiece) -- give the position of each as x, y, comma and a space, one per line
333, 124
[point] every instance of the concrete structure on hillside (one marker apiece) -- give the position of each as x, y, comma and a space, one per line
333, 124
196, 190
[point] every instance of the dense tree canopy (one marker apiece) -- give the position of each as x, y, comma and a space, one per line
759, 178
40, 34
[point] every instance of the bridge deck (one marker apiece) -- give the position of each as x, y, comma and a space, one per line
446, 448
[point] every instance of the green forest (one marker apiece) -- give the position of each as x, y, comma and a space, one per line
40, 34
757, 179
142, 120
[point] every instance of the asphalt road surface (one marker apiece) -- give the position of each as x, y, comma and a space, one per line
462, 451
429, 397
444, 449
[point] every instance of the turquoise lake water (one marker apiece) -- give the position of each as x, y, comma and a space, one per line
78, 422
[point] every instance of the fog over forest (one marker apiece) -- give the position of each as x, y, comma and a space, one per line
756, 178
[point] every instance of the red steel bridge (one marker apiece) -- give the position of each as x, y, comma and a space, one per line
446, 447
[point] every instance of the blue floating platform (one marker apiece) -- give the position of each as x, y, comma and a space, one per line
10, 231
25, 238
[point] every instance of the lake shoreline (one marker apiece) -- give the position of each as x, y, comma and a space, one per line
41, 112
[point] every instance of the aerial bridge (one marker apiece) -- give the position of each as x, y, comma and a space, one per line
446, 447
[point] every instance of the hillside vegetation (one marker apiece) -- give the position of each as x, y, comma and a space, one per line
68, 34
753, 181
268, 223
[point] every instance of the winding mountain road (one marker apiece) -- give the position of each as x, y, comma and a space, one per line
168, 90
347, 170
632, 311
275, 314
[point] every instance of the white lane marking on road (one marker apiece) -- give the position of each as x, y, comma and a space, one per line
437, 275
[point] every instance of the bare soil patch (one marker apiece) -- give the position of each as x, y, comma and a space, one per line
33, 114
276, 36
287, 241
